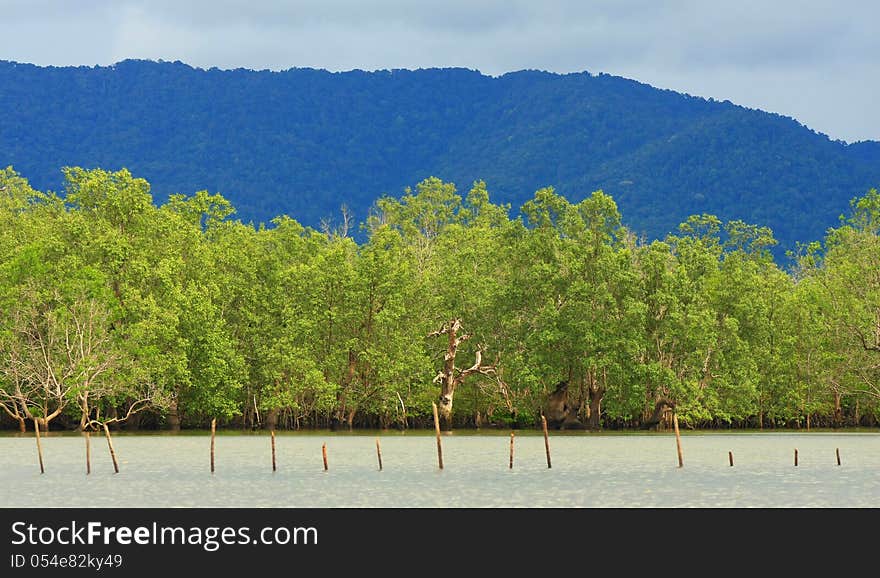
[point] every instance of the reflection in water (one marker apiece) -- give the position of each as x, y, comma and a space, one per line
589, 471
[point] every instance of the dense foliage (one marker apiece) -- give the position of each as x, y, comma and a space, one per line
303, 142
111, 304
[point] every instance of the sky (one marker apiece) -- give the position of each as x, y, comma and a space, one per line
817, 61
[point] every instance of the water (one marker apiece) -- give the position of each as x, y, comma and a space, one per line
589, 470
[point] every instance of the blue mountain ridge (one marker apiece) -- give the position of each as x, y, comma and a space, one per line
303, 142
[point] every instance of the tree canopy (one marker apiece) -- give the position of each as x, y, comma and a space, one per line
116, 309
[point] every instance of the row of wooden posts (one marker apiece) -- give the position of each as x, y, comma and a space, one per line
378, 447
89, 449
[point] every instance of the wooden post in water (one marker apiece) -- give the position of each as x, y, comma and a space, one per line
437, 431
213, 433
39, 445
273, 450
730, 457
837, 452
88, 453
511, 450
110, 445
324, 455
795, 456
379, 453
546, 439
677, 439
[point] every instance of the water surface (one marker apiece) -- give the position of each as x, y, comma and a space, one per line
589, 470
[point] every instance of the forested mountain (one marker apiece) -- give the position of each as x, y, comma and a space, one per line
303, 142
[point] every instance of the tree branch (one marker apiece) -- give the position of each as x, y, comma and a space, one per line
478, 366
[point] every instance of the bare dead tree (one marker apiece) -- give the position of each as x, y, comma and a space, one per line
66, 355
36, 363
10, 405
15, 391
98, 423
450, 376
343, 229
347, 221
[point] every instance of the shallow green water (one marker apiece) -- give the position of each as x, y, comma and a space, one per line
588, 471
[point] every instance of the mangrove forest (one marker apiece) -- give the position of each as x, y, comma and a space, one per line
116, 310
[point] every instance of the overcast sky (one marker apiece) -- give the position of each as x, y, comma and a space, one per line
815, 60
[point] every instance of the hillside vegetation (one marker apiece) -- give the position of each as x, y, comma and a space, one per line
305, 142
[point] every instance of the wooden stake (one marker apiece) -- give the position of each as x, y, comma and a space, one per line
546, 439
730, 457
324, 455
88, 453
437, 431
39, 446
273, 451
837, 451
511, 450
795, 456
213, 433
677, 439
379, 454
110, 445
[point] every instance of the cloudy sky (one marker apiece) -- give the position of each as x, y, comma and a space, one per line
815, 60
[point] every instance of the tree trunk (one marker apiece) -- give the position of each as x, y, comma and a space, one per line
341, 412
595, 409
272, 419
249, 415
113, 413
596, 393
84, 418
447, 391
444, 406
838, 411
447, 377
134, 421
173, 416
